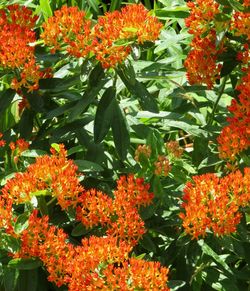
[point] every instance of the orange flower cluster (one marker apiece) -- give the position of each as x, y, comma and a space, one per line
96, 262
235, 137
6, 215
213, 203
142, 152
93, 265
162, 166
68, 29
15, 36
174, 148
201, 61
115, 31
17, 148
50, 175
16, 49
146, 276
109, 40
240, 23
120, 215
201, 14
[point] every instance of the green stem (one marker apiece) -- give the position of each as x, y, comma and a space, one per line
223, 85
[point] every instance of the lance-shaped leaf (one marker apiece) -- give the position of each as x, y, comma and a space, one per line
120, 132
104, 114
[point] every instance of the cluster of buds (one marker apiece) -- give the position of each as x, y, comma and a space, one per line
162, 166
159, 164
142, 152
174, 148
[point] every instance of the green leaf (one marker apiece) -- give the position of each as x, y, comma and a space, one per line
54, 85
97, 81
10, 278
175, 284
94, 4
21, 222
146, 100
104, 115
36, 101
236, 5
120, 132
9, 243
59, 110
115, 5
33, 153
148, 244
210, 252
28, 280
88, 166
43, 207
228, 67
25, 264
68, 130
10, 117
79, 230
26, 124
5, 99
177, 12
46, 9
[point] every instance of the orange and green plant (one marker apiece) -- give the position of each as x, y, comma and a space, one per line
124, 145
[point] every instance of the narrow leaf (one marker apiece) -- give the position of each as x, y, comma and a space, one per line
104, 115
120, 132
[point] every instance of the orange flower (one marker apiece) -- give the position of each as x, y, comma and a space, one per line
143, 275
95, 208
16, 49
240, 24
68, 29
120, 214
132, 191
53, 175
212, 203
116, 31
6, 215
235, 137
20, 15
80, 266
201, 15
201, 63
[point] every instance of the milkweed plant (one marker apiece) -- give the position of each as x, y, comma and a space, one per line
124, 145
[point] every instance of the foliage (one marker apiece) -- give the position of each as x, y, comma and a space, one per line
124, 145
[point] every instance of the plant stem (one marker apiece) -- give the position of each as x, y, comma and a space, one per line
223, 85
